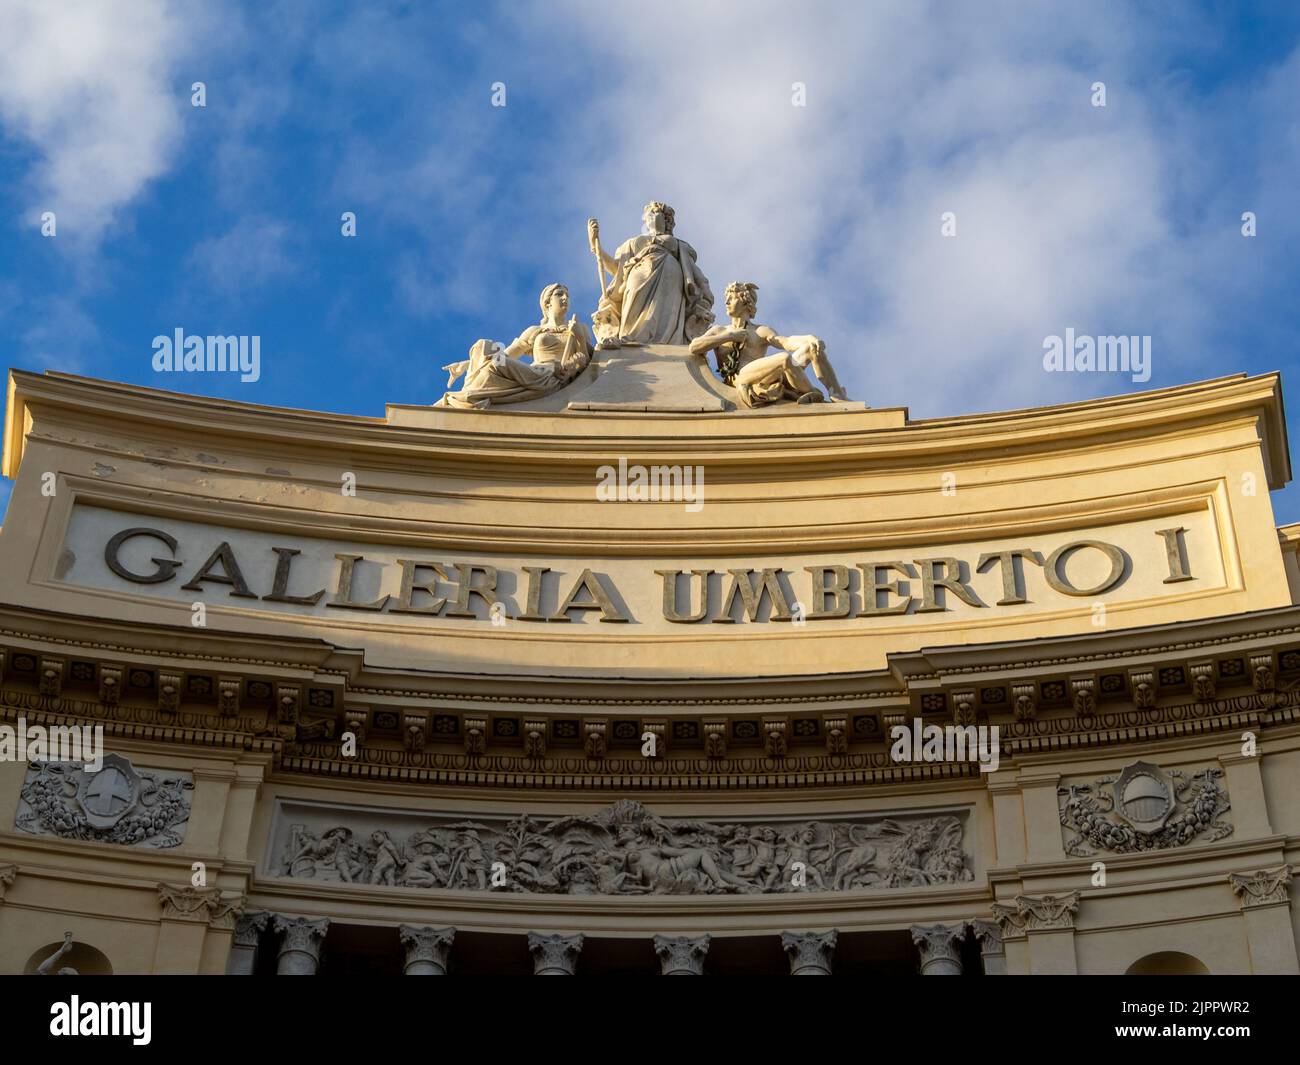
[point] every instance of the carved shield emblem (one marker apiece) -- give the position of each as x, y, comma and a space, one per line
1143, 797
107, 796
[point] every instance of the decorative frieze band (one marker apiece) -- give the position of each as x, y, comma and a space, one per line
624, 849
308, 747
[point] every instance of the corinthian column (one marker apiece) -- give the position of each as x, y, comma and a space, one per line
554, 955
682, 955
940, 947
301, 943
810, 952
1049, 924
426, 949
243, 951
1266, 909
989, 936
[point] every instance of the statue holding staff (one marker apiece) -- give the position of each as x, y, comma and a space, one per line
658, 294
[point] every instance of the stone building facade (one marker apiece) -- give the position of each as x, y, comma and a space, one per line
495, 691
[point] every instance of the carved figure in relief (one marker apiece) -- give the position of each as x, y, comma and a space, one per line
388, 860
580, 877
468, 865
740, 350
427, 867
907, 856
754, 856
670, 869
610, 877
494, 375
945, 863
801, 848
325, 857
854, 861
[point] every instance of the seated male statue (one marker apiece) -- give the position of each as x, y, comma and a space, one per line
740, 350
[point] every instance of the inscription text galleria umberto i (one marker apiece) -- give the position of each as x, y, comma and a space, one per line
472, 590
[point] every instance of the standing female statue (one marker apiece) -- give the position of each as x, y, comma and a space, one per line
658, 294
495, 375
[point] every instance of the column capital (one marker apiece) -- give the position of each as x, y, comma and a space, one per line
427, 949
1048, 913
7, 874
810, 952
554, 955
988, 933
188, 903
245, 943
1264, 887
301, 935
940, 948
1010, 921
682, 955
226, 914
249, 928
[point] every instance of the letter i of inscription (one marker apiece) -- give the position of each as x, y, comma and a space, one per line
1176, 552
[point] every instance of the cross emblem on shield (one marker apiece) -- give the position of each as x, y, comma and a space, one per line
107, 795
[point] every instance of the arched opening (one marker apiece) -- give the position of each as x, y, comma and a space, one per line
82, 958
1168, 963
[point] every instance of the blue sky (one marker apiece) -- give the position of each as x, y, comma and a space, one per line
1123, 219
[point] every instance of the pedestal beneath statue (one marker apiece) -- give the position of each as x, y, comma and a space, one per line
656, 378
647, 379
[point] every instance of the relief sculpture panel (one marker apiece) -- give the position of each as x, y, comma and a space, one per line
1144, 808
115, 803
623, 849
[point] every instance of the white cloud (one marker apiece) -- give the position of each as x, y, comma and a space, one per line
88, 85
253, 252
1065, 211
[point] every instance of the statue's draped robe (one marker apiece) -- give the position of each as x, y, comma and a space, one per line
493, 377
763, 381
658, 295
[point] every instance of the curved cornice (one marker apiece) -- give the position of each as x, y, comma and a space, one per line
851, 440
305, 657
